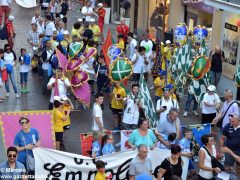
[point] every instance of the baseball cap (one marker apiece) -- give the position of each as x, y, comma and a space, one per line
163, 73
170, 86
211, 88
58, 98
168, 42
11, 18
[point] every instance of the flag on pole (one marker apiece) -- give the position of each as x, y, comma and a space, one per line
147, 103
105, 47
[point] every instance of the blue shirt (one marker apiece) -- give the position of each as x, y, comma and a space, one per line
31, 137
1, 66
7, 173
185, 144
136, 138
96, 148
108, 149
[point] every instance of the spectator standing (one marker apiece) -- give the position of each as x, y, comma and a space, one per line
140, 63
229, 107
210, 105
217, 58
141, 163
33, 38
37, 19
17, 168
52, 9
159, 84
95, 29
5, 9
169, 124
25, 61
165, 104
123, 29
101, 15
64, 11
10, 31
131, 109
87, 11
132, 45
231, 137
25, 141
206, 171
44, 6
97, 124
10, 59
49, 26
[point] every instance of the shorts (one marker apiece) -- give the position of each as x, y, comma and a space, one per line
229, 160
59, 136
67, 127
191, 165
125, 126
208, 118
117, 111
103, 87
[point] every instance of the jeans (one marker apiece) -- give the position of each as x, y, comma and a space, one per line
23, 77
45, 80
12, 78
215, 77
191, 98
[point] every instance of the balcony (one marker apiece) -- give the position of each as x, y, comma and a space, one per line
227, 5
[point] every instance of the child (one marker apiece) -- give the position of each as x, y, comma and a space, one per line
25, 61
170, 139
159, 84
121, 43
100, 165
107, 144
96, 147
2, 67
118, 95
185, 144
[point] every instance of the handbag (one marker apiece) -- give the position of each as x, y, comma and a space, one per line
220, 122
30, 161
215, 163
4, 75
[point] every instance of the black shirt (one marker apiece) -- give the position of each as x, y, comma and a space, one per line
64, 9
171, 169
233, 137
216, 64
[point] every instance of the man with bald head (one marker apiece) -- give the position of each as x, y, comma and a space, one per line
216, 57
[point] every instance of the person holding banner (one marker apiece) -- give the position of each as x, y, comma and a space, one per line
142, 135
25, 141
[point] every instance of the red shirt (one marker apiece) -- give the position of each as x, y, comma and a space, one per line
122, 29
101, 15
9, 27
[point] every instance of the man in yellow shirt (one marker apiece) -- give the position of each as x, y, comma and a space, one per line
76, 29
95, 29
159, 84
118, 95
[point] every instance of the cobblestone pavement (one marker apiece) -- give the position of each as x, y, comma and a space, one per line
81, 120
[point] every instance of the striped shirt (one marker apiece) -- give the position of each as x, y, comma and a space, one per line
33, 37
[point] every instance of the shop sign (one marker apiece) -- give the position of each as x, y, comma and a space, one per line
231, 27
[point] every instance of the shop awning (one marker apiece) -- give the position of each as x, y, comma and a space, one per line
226, 5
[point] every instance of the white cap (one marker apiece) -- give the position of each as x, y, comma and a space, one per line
64, 97
11, 18
92, 20
61, 16
58, 98
65, 32
80, 20
211, 88
168, 42
100, 5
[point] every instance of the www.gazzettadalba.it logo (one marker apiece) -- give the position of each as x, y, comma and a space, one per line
193, 1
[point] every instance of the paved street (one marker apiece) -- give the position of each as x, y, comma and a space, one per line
81, 120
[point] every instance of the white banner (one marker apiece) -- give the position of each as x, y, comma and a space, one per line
62, 165
27, 3
125, 134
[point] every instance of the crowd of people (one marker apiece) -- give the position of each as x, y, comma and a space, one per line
49, 32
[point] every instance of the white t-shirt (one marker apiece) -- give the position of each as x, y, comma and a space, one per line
9, 58
23, 67
88, 10
36, 21
49, 28
139, 66
131, 112
149, 54
210, 99
207, 163
169, 104
97, 112
132, 46
62, 87
46, 65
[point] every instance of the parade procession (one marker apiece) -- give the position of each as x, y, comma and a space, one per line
119, 89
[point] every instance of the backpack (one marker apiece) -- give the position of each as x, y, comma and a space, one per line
174, 105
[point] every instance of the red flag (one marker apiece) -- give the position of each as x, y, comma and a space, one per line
105, 47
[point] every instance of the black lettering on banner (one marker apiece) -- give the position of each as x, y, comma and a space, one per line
124, 167
73, 175
90, 173
52, 170
78, 161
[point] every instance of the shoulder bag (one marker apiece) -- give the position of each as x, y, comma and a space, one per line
220, 122
30, 161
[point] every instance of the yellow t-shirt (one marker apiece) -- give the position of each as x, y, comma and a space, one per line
65, 42
173, 96
96, 31
158, 82
67, 122
58, 120
100, 176
120, 44
76, 32
118, 92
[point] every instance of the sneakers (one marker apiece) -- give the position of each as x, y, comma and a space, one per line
24, 90
17, 95
7, 94
185, 114
195, 113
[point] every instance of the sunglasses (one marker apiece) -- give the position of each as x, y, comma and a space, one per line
231, 116
8, 49
12, 155
24, 122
